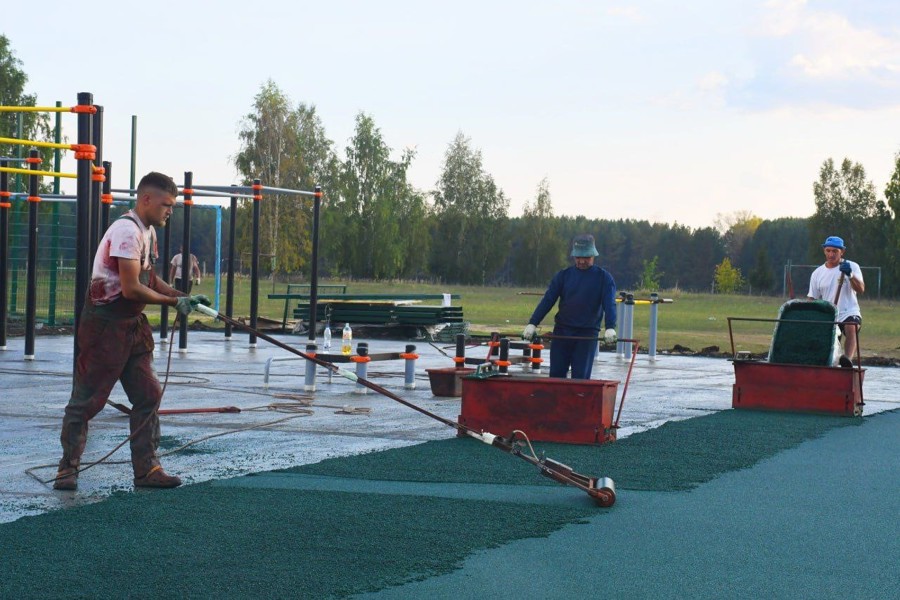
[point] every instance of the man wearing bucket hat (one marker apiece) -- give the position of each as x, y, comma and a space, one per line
839, 281
586, 295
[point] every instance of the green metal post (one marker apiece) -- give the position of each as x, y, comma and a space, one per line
16, 220
54, 223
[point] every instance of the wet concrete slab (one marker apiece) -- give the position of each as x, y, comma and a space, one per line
214, 372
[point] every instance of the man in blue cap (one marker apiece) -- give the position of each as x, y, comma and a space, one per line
839, 281
586, 294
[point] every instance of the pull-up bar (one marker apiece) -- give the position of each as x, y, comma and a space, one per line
53, 109
249, 190
81, 148
38, 173
194, 192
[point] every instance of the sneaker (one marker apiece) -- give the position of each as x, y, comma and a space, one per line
845, 362
157, 478
66, 479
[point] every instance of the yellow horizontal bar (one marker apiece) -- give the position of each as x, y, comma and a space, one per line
35, 109
18, 142
38, 173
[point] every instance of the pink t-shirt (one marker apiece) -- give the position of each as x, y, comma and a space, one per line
123, 239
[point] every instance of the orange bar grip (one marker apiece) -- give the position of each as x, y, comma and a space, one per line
537, 361
188, 202
188, 191
503, 363
257, 186
5, 205
85, 156
257, 197
5, 194
34, 198
106, 198
98, 177
84, 108
536, 346
34, 160
83, 148
317, 194
409, 355
360, 359
100, 170
459, 359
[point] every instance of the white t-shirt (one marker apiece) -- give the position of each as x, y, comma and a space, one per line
123, 239
823, 285
176, 262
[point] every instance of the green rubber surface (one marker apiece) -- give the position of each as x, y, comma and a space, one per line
675, 456
362, 523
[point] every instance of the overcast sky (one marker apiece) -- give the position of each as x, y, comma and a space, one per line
658, 110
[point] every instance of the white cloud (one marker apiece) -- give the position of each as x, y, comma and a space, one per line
831, 47
632, 13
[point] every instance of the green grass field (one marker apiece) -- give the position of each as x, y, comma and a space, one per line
693, 320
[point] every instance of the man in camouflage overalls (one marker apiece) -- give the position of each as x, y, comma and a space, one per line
115, 342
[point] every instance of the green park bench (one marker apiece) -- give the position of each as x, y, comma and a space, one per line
376, 309
295, 288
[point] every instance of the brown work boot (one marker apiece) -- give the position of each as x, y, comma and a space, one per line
66, 479
157, 478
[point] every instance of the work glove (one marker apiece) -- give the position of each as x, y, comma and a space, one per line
529, 332
845, 268
185, 305
610, 336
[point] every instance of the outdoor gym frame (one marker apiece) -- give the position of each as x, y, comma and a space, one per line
93, 198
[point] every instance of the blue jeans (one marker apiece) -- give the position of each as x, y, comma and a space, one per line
577, 354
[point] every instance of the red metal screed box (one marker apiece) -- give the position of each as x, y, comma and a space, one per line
572, 411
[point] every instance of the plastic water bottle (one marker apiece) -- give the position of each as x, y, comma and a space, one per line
347, 340
326, 337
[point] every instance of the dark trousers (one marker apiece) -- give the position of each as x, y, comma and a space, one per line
177, 284
577, 354
112, 349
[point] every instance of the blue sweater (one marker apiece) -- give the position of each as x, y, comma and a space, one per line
584, 297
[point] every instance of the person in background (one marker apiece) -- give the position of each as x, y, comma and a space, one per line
175, 271
587, 295
845, 275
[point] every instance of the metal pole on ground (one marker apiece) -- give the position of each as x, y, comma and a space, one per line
628, 324
229, 287
166, 257
96, 179
218, 291
186, 263
654, 320
254, 261
34, 161
5, 205
105, 198
314, 271
133, 153
83, 212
